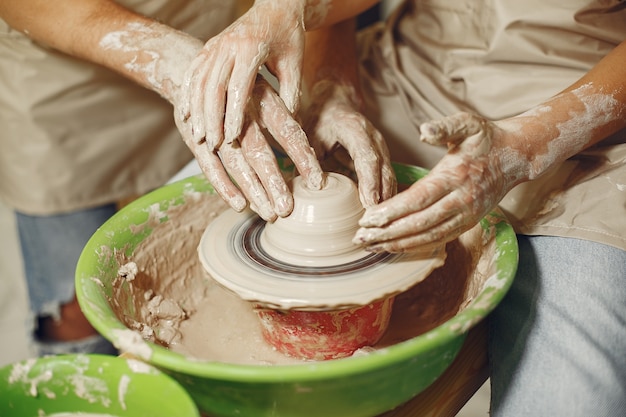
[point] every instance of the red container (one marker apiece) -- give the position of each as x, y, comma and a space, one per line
322, 335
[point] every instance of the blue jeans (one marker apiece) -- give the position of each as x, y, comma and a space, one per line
51, 246
558, 339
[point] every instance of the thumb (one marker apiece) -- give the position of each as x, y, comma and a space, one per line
451, 130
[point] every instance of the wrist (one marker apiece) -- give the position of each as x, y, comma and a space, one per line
151, 54
293, 10
515, 162
312, 14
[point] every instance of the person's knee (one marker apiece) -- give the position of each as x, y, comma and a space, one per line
556, 337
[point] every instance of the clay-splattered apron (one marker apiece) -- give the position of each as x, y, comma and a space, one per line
497, 59
74, 135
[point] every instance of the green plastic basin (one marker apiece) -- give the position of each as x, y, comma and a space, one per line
90, 385
352, 387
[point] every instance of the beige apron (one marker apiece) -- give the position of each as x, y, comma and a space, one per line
498, 58
74, 135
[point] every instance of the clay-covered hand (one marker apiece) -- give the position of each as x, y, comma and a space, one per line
331, 121
219, 82
468, 182
246, 169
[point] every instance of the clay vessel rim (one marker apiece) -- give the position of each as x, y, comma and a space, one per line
223, 255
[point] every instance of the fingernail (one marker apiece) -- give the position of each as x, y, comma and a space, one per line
360, 237
267, 213
427, 131
228, 136
232, 131
315, 180
293, 102
183, 115
283, 206
211, 142
375, 248
238, 203
197, 133
372, 218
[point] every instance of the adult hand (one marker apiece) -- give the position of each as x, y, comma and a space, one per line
220, 79
250, 161
331, 120
468, 182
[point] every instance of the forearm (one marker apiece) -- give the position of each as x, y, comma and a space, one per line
105, 33
582, 115
315, 14
328, 12
331, 55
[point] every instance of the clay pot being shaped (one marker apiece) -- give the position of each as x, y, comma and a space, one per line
320, 229
319, 232
317, 294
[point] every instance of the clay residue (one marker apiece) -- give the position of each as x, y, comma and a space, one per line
164, 283
439, 297
60, 380
81, 414
171, 300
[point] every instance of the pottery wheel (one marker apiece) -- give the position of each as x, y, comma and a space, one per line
308, 262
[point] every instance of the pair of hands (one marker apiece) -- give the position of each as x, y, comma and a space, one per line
245, 170
479, 169
225, 108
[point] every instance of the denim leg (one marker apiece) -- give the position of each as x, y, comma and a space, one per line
558, 339
51, 246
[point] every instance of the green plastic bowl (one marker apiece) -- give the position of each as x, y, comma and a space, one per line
351, 387
91, 385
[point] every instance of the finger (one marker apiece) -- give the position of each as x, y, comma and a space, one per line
287, 132
366, 163
382, 175
262, 160
213, 96
451, 130
409, 225
289, 76
196, 105
389, 182
424, 242
188, 102
198, 93
240, 87
212, 167
238, 167
214, 102
419, 196
185, 94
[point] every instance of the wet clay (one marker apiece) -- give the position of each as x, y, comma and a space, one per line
163, 292
308, 261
